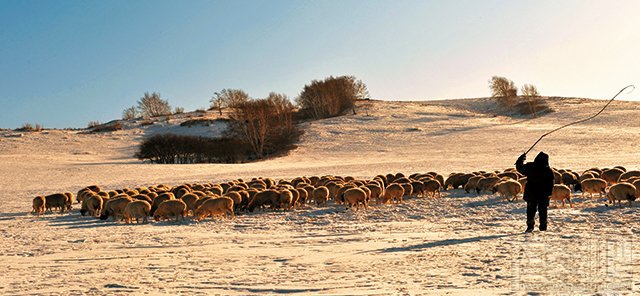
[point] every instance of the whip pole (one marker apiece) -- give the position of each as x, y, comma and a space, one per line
582, 120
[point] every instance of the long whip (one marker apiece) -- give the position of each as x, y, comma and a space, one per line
582, 120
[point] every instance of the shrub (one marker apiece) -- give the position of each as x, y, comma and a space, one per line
130, 113
152, 105
331, 96
173, 149
93, 124
108, 127
28, 127
178, 110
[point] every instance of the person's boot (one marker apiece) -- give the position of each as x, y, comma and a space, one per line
543, 227
530, 225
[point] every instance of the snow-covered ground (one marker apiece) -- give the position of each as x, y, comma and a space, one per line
459, 244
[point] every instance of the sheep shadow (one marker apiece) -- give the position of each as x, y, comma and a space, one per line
11, 216
491, 201
441, 243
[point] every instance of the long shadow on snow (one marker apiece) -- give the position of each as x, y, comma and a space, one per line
446, 242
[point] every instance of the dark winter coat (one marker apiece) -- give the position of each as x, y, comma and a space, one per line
539, 178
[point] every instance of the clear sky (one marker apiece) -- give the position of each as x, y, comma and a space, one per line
65, 63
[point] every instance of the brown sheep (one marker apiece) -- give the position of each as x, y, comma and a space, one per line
38, 205
561, 192
92, 205
268, 197
295, 197
456, 180
160, 199
472, 183
355, 197
190, 200
431, 187
171, 208
137, 209
508, 189
321, 196
215, 207
57, 200
284, 200
612, 176
394, 193
376, 192
303, 196
593, 185
620, 192
115, 207
486, 184
630, 174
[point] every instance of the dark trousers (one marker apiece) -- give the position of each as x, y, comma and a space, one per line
541, 207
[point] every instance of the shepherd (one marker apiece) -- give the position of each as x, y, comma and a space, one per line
538, 188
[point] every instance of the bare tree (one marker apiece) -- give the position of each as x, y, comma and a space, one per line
504, 90
227, 98
529, 90
130, 113
153, 105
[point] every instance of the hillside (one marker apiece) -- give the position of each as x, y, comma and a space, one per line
462, 241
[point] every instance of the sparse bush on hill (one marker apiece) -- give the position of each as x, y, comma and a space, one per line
93, 124
530, 90
107, 127
130, 113
178, 110
28, 127
152, 105
228, 97
331, 96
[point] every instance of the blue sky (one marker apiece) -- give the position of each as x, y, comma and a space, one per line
65, 63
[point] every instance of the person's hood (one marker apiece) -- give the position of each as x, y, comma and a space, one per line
542, 159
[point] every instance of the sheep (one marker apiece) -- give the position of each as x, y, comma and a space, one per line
137, 209
321, 196
190, 199
141, 196
523, 181
160, 199
561, 192
171, 208
431, 187
284, 200
217, 190
394, 192
408, 189
508, 189
215, 207
485, 184
295, 197
354, 197
268, 197
512, 175
38, 205
472, 183
115, 207
587, 175
376, 192
569, 179
92, 205
56, 200
303, 196
622, 191
593, 185
612, 176
630, 174
339, 195
456, 180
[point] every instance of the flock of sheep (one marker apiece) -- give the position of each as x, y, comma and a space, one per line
226, 199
